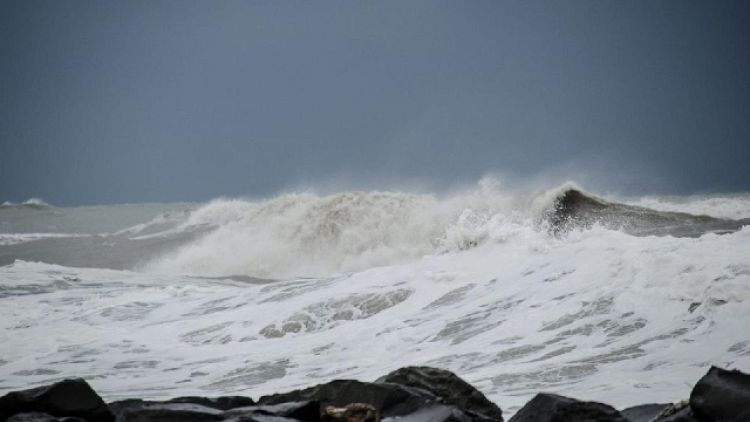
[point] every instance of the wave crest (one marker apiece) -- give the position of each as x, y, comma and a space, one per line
303, 234
31, 203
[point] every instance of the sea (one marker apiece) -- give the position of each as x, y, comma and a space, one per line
619, 299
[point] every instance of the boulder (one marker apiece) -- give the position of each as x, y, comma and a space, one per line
71, 397
554, 408
353, 412
186, 409
305, 411
448, 387
675, 412
221, 403
40, 417
389, 399
167, 412
643, 412
722, 395
435, 413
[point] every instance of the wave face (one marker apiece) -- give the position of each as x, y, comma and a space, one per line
623, 301
574, 209
310, 235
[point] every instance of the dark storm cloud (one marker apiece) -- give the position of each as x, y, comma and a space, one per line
109, 101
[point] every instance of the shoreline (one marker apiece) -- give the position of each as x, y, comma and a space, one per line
409, 394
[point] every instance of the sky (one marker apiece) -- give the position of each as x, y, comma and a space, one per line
158, 101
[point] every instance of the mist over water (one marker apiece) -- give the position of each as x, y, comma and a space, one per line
309, 234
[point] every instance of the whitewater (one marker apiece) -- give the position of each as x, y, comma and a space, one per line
623, 300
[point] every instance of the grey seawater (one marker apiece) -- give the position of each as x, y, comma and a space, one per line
617, 312
111, 236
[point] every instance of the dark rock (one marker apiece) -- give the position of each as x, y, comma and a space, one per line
308, 411
722, 395
671, 412
221, 403
682, 415
434, 413
121, 406
388, 399
188, 410
643, 412
352, 412
71, 397
140, 411
448, 387
32, 417
40, 417
554, 408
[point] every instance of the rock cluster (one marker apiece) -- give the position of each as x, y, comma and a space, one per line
411, 394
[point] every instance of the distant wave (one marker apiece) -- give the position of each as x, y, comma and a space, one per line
31, 203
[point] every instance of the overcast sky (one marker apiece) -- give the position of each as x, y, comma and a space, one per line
134, 101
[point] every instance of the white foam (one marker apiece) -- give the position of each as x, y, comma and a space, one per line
312, 235
467, 282
598, 315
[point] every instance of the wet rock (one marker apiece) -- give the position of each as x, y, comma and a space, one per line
448, 387
554, 408
643, 412
120, 406
71, 397
353, 412
682, 415
221, 403
40, 417
435, 413
676, 412
388, 399
140, 411
722, 395
306, 411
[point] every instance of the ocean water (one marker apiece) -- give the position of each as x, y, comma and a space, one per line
620, 300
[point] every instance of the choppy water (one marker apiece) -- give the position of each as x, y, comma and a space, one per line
252, 297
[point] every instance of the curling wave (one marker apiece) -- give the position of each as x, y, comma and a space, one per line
574, 209
310, 235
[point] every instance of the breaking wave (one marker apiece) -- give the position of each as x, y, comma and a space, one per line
304, 234
618, 300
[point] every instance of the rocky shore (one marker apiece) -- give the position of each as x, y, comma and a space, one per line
411, 394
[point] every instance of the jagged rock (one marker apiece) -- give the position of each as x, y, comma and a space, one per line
388, 399
218, 403
353, 412
71, 397
307, 411
167, 412
722, 395
682, 415
185, 409
643, 412
435, 413
221, 403
40, 417
554, 408
448, 387
673, 412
